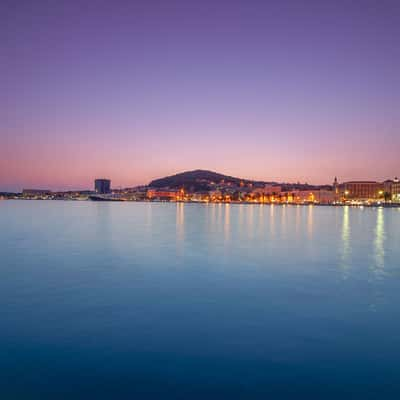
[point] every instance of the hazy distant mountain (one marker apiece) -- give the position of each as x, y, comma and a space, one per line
198, 180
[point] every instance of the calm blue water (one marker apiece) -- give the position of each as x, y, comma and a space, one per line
186, 301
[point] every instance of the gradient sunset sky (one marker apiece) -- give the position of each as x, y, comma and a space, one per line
134, 90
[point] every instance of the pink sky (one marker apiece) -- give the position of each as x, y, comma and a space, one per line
138, 91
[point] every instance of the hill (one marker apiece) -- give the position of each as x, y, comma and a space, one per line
203, 180
197, 180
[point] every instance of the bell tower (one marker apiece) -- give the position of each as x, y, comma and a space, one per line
335, 187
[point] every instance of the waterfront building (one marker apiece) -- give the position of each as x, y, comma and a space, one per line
163, 194
215, 195
324, 196
272, 189
36, 192
362, 190
396, 191
318, 196
201, 196
387, 187
102, 186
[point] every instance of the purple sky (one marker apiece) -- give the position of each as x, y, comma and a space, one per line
134, 90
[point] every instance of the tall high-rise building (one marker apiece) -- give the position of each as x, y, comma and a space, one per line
102, 186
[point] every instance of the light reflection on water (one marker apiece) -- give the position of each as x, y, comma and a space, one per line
180, 226
298, 216
345, 247
379, 248
249, 224
272, 220
283, 222
227, 227
310, 222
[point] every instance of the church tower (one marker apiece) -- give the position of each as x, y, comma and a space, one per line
335, 186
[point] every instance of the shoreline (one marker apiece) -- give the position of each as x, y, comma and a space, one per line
372, 205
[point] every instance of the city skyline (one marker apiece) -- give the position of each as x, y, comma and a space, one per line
75, 187
137, 91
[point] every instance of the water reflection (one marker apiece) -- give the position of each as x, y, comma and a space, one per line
240, 218
227, 222
250, 221
149, 218
219, 215
213, 210
260, 219
180, 226
378, 259
103, 217
379, 248
346, 247
283, 221
272, 220
310, 221
104, 225
297, 224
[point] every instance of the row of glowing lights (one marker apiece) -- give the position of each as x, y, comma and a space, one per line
380, 193
261, 199
265, 199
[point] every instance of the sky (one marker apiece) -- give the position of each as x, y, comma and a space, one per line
134, 90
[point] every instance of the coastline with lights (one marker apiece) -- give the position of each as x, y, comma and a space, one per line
201, 186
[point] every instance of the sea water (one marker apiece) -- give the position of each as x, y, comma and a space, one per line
198, 301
